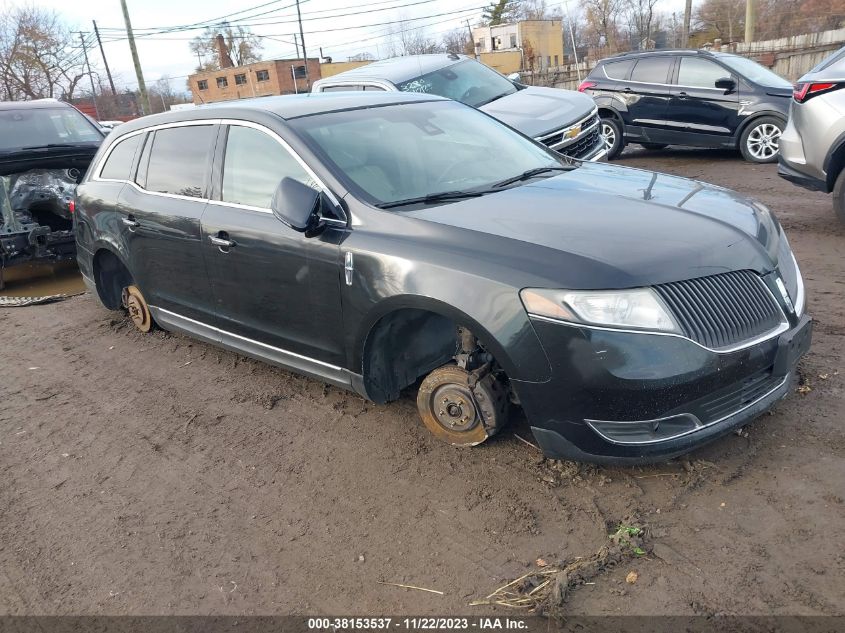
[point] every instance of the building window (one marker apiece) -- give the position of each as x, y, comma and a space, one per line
556, 64
222, 82
513, 40
202, 84
240, 79
262, 75
548, 60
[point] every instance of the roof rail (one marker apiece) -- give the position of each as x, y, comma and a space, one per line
697, 51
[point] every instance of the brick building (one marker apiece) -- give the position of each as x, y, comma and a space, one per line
272, 77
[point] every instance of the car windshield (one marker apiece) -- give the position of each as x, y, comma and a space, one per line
468, 81
38, 127
753, 71
402, 152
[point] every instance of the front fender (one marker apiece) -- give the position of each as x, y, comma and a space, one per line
492, 310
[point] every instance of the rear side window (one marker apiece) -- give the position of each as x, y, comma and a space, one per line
179, 160
618, 70
700, 73
343, 88
652, 70
119, 163
254, 166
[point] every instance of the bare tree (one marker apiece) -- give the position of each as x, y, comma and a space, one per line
602, 22
243, 45
362, 57
457, 41
408, 40
724, 18
641, 18
39, 56
537, 10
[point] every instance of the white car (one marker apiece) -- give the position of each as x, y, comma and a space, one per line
564, 120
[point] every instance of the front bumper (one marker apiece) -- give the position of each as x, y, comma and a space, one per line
639, 398
789, 172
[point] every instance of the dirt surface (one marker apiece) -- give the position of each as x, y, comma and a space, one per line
156, 475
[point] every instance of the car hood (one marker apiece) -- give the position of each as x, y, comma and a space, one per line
59, 157
537, 111
603, 226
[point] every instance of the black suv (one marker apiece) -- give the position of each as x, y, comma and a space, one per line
378, 241
690, 97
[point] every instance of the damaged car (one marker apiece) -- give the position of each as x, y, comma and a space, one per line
45, 149
380, 243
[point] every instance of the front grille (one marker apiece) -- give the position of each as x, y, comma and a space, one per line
722, 310
582, 145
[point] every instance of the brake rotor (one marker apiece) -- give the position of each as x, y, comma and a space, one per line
137, 307
459, 409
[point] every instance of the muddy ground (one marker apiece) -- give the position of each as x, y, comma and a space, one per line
156, 475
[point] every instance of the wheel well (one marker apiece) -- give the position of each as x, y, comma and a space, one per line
835, 165
755, 117
606, 113
404, 345
111, 277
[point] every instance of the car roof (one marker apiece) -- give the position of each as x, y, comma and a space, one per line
398, 69
283, 106
35, 104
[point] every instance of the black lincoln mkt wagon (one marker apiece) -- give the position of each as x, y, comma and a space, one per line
380, 240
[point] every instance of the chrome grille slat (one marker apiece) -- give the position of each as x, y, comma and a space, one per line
722, 310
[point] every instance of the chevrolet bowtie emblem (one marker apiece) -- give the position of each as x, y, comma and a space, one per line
572, 133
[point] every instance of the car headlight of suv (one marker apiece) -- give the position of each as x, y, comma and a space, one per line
638, 309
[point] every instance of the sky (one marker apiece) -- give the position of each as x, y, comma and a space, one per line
341, 27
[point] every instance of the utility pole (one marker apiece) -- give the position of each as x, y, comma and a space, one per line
304, 54
142, 87
572, 36
687, 15
90, 76
105, 62
471, 40
750, 20
296, 43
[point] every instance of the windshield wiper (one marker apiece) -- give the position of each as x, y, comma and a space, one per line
432, 198
51, 145
484, 103
526, 175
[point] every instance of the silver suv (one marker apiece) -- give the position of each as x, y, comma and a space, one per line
812, 147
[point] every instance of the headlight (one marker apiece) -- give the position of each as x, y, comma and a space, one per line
799, 293
639, 309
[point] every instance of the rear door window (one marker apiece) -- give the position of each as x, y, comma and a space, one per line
618, 70
700, 73
652, 70
119, 163
179, 160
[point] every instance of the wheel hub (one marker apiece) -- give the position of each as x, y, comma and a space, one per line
454, 408
137, 309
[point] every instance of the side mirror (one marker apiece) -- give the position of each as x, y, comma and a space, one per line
514, 76
726, 83
296, 205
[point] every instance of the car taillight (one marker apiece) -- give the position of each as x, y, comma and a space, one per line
71, 206
802, 92
586, 85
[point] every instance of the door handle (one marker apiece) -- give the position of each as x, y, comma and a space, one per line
131, 222
221, 242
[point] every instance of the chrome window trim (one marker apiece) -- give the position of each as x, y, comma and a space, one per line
386, 85
249, 340
699, 426
780, 329
262, 128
